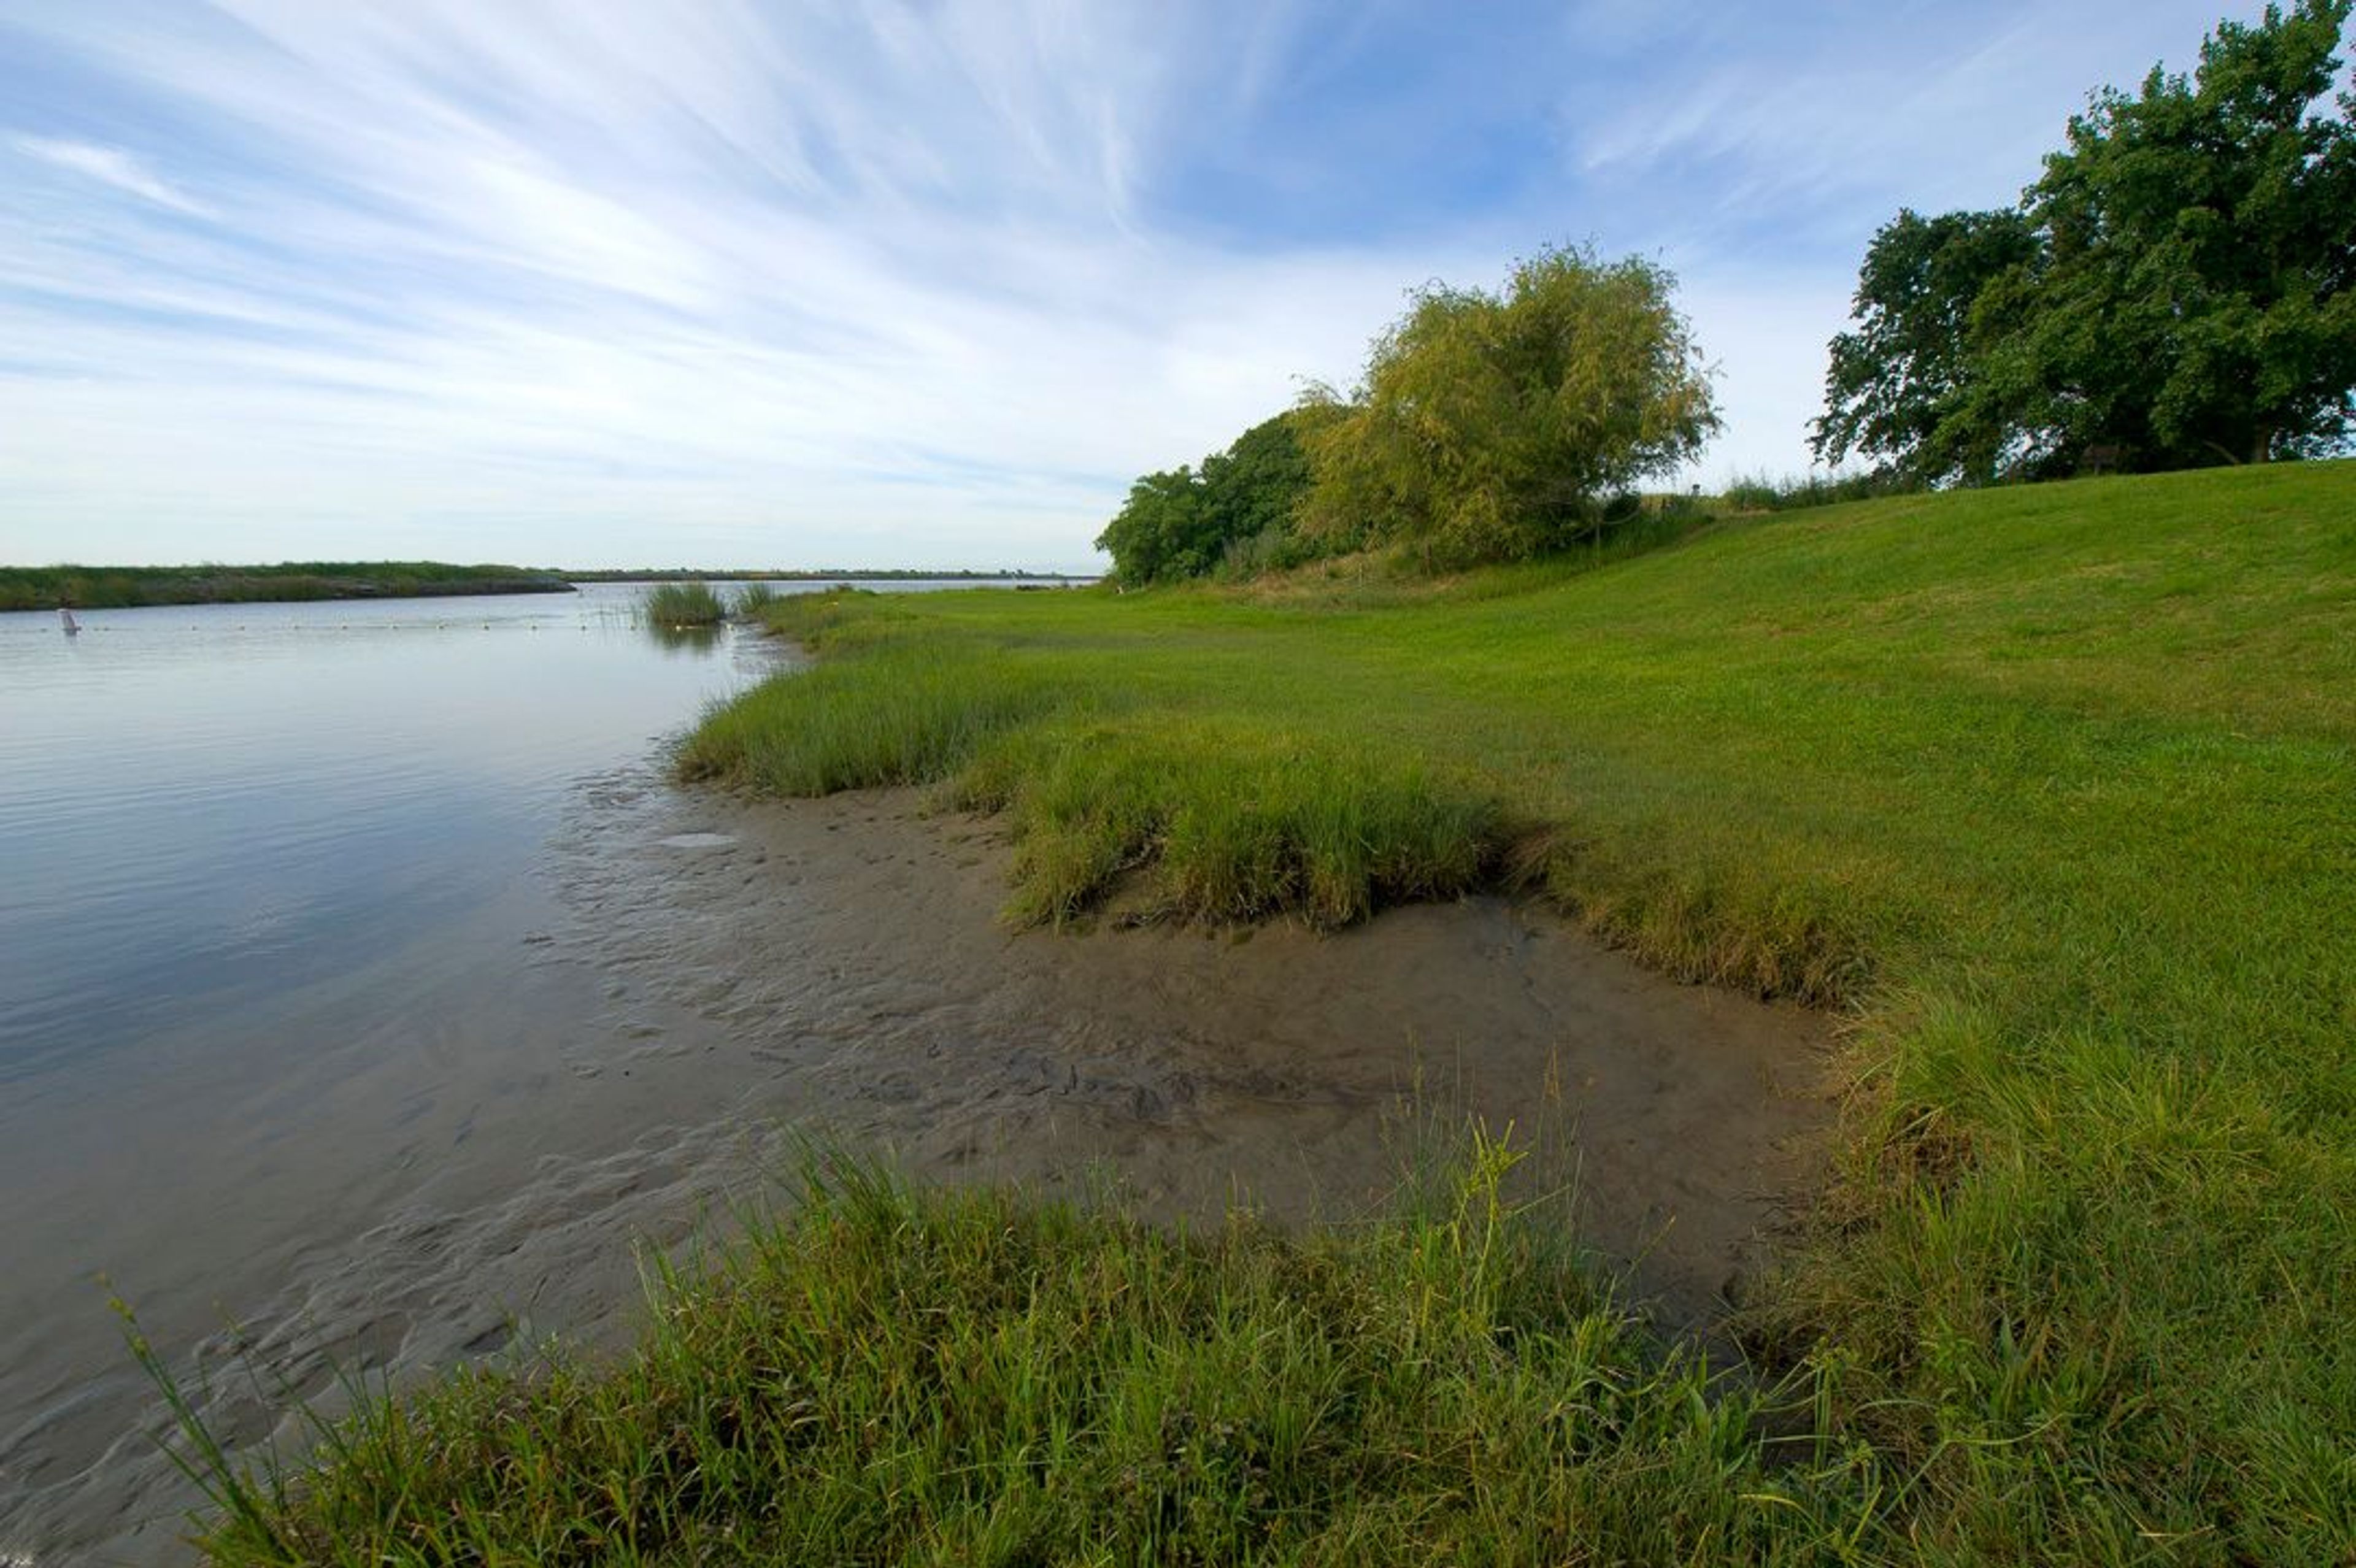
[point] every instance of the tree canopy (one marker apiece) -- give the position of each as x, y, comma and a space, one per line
1183, 522
1488, 427
1494, 426
2177, 289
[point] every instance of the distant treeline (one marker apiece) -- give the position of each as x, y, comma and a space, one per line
119, 587
868, 574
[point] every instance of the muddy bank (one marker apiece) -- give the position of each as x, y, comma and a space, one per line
855, 944
619, 1063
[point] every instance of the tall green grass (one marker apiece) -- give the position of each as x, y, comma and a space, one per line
673, 606
1224, 823
2049, 787
1763, 492
901, 716
893, 1375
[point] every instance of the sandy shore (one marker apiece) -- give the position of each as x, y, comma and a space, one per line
716, 973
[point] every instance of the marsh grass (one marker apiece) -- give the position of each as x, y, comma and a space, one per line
1224, 823
883, 1373
901, 716
676, 605
2050, 788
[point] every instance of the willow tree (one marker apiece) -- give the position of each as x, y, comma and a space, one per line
1497, 426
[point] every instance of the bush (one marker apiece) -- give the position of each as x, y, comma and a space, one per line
1191, 521
1759, 493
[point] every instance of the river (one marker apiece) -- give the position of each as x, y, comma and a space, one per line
369, 1001
277, 966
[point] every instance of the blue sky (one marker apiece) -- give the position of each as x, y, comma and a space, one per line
724, 283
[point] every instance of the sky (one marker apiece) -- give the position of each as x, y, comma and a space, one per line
742, 284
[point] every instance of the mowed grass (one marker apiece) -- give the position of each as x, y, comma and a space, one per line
2053, 791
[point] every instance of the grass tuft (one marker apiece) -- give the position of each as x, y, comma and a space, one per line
890, 1374
676, 605
1222, 824
901, 716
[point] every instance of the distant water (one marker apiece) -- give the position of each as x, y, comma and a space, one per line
270, 879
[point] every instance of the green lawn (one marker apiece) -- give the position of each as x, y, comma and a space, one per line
2052, 790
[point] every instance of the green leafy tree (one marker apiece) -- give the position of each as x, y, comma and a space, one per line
1160, 532
1496, 426
1902, 386
2186, 296
1256, 484
2195, 303
1187, 522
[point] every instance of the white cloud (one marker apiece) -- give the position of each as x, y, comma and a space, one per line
595, 282
108, 165
699, 284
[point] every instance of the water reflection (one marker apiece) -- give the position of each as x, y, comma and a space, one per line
207, 806
694, 642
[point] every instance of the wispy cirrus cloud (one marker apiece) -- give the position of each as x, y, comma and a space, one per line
731, 281
108, 165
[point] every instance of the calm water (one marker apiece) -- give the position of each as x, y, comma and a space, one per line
272, 883
201, 806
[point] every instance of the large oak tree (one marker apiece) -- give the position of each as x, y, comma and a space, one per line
2178, 288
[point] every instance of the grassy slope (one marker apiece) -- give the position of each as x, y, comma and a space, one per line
2055, 787
2055, 783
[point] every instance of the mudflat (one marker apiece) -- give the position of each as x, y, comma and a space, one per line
854, 942
718, 975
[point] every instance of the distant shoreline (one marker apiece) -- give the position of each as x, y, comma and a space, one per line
871, 574
130, 587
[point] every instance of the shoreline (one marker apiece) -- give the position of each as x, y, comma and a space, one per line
837, 965
1186, 1060
30, 589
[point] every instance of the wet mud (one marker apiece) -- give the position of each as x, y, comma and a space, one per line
716, 977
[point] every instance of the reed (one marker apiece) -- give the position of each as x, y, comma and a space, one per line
673, 606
